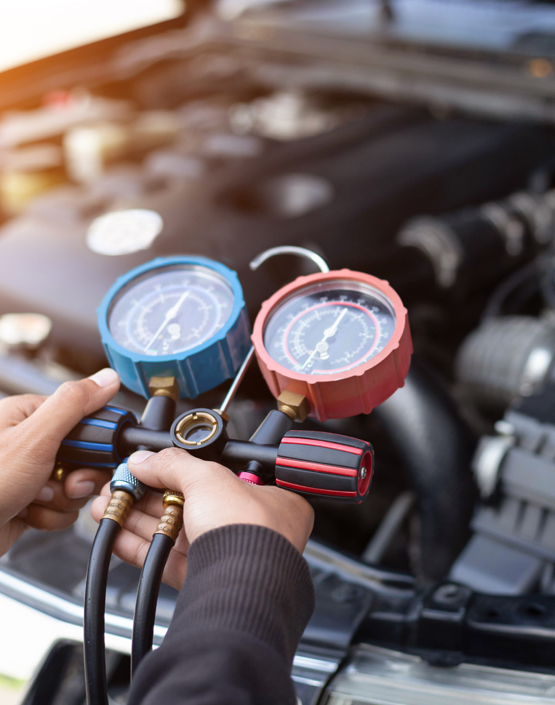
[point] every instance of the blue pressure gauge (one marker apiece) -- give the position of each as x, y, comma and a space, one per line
182, 317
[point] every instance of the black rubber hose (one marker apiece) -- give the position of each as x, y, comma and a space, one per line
435, 447
147, 598
95, 605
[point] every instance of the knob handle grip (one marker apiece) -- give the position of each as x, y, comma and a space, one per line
93, 442
325, 465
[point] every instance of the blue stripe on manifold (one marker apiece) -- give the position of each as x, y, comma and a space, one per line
98, 422
115, 409
88, 446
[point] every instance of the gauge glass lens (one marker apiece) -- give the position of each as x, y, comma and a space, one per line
170, 310
330, 328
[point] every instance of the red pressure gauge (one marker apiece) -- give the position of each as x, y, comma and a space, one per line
341, 339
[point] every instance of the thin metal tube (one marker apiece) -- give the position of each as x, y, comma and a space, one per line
319, 261
237, 381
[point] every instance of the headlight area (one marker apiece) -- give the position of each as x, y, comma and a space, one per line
41, 653
29, 636
43, 643
43, 629
377, 676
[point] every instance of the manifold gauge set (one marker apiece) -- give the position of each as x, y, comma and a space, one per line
329, 345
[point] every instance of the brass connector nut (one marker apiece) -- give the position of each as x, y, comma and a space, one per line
171, 522
119, 506
175, 498
294, 405
164, 387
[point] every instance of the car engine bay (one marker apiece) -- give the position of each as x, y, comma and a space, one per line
250, 130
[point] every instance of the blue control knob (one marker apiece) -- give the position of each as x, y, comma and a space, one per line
93, 443
181, 317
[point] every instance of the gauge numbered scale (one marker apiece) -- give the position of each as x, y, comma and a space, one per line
341, 339
182, 317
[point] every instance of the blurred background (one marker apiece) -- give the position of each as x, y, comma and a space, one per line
411, 139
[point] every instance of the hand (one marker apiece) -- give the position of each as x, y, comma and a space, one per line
214, 497
31, 430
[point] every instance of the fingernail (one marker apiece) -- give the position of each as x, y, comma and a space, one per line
46, 494
140, 456
85, 488
23, 513
105, 378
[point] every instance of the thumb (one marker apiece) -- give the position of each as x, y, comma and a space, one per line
173, 468
44, 430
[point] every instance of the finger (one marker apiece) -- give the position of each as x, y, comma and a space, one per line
52, 495
141, 524
152, 503
174, 468
98, 507
14, 410
133, 549
10, 533
61, 412
46, 519
106, 491
85, 483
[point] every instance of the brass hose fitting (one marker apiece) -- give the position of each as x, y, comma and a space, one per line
171, 520
60, 472
119, 506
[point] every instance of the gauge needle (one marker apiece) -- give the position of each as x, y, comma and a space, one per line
332, 330
170, 315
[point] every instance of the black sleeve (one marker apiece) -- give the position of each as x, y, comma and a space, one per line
246, 601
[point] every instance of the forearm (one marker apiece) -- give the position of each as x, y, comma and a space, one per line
246, 601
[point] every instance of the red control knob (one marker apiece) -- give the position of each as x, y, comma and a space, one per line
325, 465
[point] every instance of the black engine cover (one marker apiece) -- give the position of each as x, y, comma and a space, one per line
394, 164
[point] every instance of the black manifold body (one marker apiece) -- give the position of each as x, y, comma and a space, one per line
313, 463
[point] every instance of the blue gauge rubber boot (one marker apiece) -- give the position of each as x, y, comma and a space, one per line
93, 443
197, 369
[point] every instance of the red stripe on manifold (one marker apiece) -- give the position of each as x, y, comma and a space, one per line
322, 444
316, 467
314, 490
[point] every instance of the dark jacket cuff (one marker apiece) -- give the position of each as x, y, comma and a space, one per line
249, 579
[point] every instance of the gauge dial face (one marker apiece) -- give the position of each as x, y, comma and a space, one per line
170, 310
330, 328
